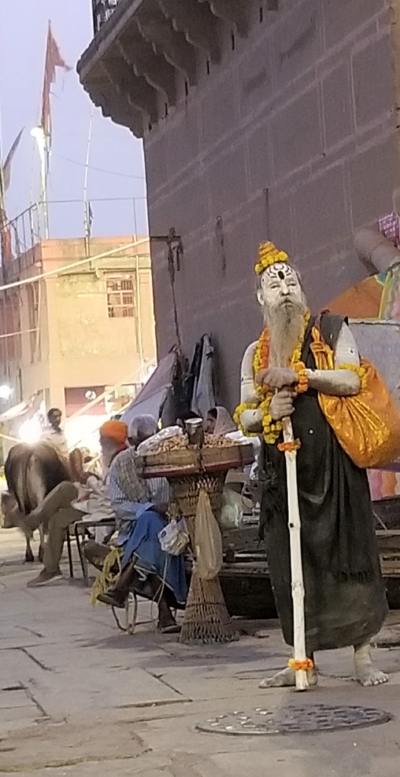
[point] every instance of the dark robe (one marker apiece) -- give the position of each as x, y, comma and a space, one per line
345, 601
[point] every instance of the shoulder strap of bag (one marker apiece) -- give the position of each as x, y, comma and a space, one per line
329, 326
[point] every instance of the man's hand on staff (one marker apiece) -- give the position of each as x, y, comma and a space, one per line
278, 377
282, 404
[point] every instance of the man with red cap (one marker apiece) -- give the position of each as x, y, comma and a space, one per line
70, 502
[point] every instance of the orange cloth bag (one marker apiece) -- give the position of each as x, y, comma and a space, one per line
367, 425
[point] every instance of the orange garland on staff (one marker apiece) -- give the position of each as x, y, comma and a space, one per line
301, 666
289, 447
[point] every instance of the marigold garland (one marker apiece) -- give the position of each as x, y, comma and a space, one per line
269, 254
238, 413
289, 447
301, 666
360, 371
302, 385
272, 429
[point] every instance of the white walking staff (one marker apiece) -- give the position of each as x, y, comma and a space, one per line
299, 636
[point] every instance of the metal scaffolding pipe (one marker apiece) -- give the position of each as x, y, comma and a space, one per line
373, 248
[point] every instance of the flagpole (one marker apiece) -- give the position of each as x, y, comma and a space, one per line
45, 174
2, 186
43, 132
39, 136
85, 185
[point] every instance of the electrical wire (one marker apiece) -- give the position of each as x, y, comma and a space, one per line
20, 332
58, 272
62, 270
100, 169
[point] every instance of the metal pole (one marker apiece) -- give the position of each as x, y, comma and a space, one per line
139, 316
85, 185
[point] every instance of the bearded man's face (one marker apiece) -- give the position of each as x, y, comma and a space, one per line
284, 305
280, 289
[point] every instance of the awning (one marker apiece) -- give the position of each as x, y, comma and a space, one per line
32, 404
151, 398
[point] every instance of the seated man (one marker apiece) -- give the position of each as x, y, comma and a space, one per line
63, 506
140, 507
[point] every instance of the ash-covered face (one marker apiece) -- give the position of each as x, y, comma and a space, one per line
284, 305
280, 287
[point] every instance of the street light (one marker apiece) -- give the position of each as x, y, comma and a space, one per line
5, 391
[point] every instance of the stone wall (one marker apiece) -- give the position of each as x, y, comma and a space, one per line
291, 137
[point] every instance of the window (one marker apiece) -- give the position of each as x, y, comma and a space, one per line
120, 296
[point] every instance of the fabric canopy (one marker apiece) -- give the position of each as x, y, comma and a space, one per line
151, 398
23, 407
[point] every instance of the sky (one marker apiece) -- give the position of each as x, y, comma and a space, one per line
116, 167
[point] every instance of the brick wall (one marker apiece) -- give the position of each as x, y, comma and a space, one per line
292, 137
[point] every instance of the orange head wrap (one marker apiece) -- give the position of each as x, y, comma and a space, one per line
114, 430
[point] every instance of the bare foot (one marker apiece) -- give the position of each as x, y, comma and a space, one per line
287, 679
369, 675
366, 673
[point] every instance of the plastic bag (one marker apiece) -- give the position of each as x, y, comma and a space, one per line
153, 442
208, 540
366, 425
232, 510
174, 538
254, 474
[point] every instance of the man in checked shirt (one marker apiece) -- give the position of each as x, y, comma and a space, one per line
140, 507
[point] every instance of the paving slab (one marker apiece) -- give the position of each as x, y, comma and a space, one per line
86, 700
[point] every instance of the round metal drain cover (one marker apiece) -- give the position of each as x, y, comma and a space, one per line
294, 720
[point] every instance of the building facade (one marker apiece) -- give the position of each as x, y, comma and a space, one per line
84, 331
264, 119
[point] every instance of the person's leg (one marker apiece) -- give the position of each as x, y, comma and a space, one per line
367, 673
60, 521
95, 553
287, 678
58, 524
166, 621
117, 595
61, 496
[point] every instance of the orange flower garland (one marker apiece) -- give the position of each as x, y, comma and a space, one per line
302, 385
289, 447
301, 666
272, 429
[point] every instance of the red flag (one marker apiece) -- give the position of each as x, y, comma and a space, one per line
9, 159
53, 61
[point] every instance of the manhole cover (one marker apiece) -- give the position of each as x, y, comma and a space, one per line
294, 720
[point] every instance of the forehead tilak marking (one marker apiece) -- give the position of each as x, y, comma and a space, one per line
279, 269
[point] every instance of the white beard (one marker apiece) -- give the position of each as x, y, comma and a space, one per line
285, 324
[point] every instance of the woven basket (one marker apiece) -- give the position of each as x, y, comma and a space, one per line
186, 492
206, 617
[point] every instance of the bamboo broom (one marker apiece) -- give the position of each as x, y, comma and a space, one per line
299, 636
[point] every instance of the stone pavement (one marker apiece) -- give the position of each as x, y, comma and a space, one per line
78, 698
